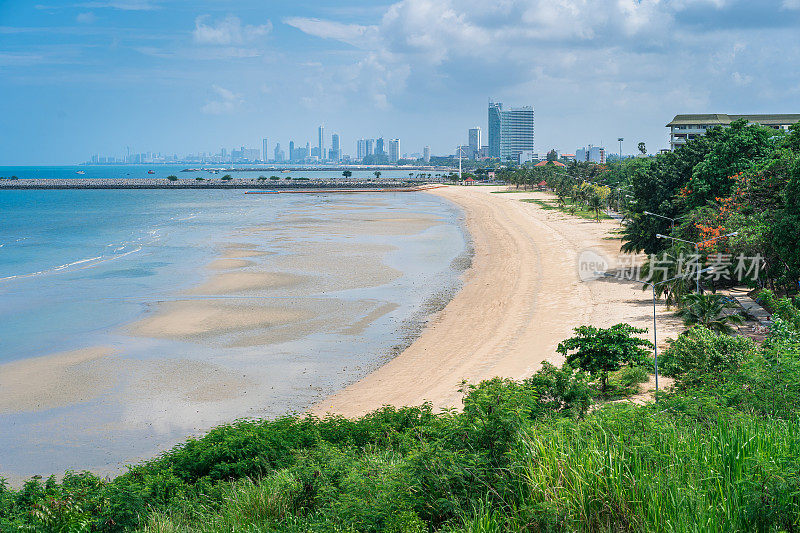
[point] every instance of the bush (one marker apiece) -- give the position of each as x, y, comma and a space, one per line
700, 351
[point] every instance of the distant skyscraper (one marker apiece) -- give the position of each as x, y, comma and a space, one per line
361, 149
474, 142
264, 150
370, 146
516, 132
394, 150
379, 148
321, 144
426, 154
495, 109
335, 147
279, 155
292, 155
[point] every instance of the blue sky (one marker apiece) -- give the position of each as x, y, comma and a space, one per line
94, 76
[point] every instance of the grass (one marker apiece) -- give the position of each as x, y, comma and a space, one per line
579, 210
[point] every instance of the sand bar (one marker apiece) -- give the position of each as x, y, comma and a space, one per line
55, 380
520, 298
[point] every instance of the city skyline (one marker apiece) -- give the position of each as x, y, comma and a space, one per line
161, 75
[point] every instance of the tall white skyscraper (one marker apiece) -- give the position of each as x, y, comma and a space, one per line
336, 151
264, 150
394, 150
474, 141
516, 132
426, 154
321, 143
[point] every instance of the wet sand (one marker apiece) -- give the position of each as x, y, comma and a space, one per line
55, 380
521, 297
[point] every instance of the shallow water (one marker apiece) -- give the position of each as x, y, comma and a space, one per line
83, 269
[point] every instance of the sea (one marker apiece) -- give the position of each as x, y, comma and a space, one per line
84, 269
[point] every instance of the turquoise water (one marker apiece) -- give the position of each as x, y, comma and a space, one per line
77, 268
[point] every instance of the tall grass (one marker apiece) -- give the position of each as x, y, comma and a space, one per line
633, 469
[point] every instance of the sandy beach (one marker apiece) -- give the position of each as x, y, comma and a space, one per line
520, 298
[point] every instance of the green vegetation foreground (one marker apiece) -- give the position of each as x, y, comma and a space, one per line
720, 452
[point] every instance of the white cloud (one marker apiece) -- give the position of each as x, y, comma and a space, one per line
741, 79
229, 30
125, 5
791, 4
226, 101
354, 34
86, 18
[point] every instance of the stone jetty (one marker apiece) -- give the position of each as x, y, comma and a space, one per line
215, 183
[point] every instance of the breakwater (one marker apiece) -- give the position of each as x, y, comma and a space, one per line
214, 183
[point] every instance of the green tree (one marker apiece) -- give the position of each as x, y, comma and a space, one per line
642, 148
735, 149
172, 178
377, 174
347, 173
709, 310
599, 351
552, 155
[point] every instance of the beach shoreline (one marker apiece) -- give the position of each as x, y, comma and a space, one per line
521, 296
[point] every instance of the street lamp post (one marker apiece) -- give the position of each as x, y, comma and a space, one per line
697, 249
672, 220
655, 334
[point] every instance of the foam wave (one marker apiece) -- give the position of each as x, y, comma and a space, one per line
80, 264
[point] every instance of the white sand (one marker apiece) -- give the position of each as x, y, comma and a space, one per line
521, 297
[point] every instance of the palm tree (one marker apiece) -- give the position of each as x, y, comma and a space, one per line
347, 173
596, 203
709, 310
377, 174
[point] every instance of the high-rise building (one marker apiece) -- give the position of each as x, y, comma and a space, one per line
335, 150
361, 149
279, 155
370, 146
516, 132
321, 145
474, 142
292, 155
495, 109
394, 150
264, 150
379, 148
426, 154
593, 154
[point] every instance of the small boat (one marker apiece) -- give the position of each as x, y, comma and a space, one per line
151, 172
80, 172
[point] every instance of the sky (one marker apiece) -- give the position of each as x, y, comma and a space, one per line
87, 77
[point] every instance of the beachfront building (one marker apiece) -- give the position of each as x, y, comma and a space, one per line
511, 131
592, 154
394, 150
516, 132
495, 109
527, 156
684, 128
474, 137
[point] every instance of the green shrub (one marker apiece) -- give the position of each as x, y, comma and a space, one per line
700, 351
